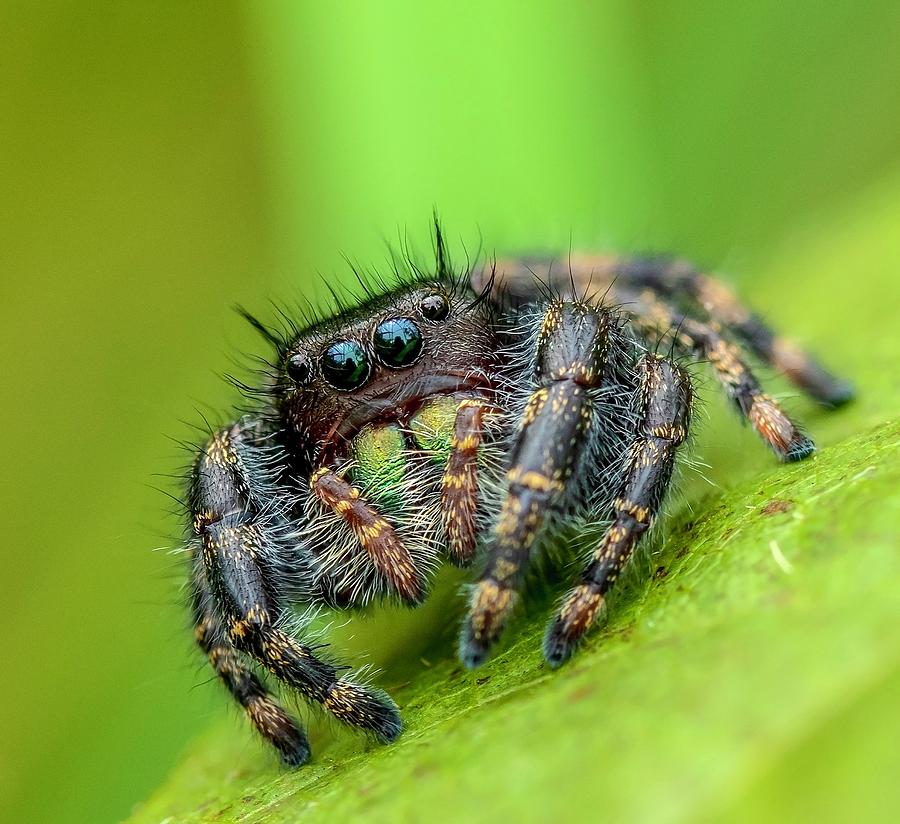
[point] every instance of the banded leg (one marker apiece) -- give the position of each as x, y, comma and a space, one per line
459, 485
236, 543
677, 278
376, 536
570, 361
266, 714
586, 273
665, 397
231, 556
656, 319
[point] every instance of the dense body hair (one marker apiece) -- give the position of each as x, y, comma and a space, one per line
462, 417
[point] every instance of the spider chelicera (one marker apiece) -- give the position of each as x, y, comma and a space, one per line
459, 417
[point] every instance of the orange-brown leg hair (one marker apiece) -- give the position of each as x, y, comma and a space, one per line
570, 360
459, 485
657, 320
376, 536
237, 611
665, 397
677, 279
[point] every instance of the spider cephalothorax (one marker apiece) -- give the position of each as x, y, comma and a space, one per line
380, 360
458, 417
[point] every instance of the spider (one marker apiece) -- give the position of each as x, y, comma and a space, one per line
458, 416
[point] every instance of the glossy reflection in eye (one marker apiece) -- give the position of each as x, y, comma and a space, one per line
398, 342
299, 369
435, 307
345, 365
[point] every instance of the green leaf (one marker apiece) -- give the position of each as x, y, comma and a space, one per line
749, 669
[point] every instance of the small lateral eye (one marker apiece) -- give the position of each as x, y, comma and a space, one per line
298, 369
435, 306
398, 342
345, 365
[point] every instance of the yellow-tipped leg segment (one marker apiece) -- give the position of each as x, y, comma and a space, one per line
459, 485
665, 416
376, 536
571, 355
658, 321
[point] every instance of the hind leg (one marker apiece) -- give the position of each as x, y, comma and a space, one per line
657, 322
703, 295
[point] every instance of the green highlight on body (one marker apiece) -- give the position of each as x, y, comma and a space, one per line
381, 457
380, 464
432, 427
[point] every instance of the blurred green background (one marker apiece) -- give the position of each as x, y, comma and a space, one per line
163, 161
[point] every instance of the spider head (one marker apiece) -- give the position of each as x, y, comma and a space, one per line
380, 361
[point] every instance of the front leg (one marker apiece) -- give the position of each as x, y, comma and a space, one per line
665, 407
569, 362
265, 713
240, 542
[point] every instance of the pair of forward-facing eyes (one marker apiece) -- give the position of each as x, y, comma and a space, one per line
396, 343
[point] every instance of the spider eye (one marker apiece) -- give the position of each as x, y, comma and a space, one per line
298, 369
398, 342
345, 365
435, 307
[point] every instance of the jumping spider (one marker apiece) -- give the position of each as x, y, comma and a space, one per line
459, 416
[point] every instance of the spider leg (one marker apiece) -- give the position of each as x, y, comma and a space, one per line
570, 360
673, 279
665, 407
238, 541
658, 322
377, 537
459, 485
678, 278
266, 714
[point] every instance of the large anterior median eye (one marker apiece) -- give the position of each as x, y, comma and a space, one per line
345, 365
398, 342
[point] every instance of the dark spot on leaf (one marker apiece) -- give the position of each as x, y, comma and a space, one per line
624, 632
660, 573
776, 506
581, 693
482, 680
422, 770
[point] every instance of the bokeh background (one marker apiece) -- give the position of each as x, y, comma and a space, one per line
163, 161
